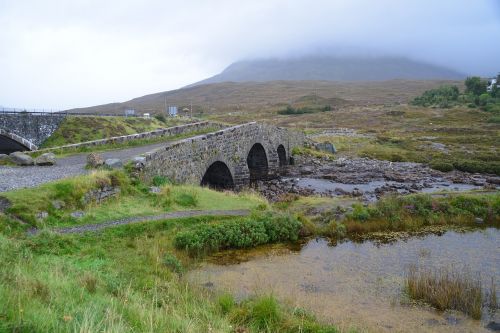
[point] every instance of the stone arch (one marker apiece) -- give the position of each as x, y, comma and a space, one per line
257, 162
282, 155
218, 176
10, 142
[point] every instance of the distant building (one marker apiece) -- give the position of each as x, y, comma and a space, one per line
146, 115
492, 82
172, 111
129, 113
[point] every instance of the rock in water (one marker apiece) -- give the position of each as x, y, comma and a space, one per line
94, 160
46, 159
21, 158
113, 163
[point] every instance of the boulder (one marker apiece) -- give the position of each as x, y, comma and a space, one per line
46, 159
139, 159
42, 215
4, 204
58, 204
78, 214
21, 158
154, 189
94, 160
113, 163
327, 147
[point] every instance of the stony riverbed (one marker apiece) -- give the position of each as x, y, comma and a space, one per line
368, 179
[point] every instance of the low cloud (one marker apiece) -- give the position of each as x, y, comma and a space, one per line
62, 54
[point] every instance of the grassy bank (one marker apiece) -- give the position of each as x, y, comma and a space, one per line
338, 218
59, 199
66, 151
75, 129
122, 280
127, 278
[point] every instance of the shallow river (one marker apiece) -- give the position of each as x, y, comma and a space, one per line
359, 284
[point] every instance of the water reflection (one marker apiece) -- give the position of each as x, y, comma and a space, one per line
359, 284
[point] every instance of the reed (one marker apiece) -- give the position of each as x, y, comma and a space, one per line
446, 289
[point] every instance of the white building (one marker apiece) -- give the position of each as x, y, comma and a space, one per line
492, 83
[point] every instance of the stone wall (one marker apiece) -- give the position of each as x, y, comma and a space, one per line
35, 128
101, 194
169, 131
186, 161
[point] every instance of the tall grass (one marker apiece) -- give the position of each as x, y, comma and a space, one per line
448, 289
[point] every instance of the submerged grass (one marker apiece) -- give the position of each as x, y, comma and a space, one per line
448, 289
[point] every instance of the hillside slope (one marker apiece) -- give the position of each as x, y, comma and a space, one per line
332, 69
218, 98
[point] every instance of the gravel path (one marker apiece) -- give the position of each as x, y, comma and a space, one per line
12, 178
130, 220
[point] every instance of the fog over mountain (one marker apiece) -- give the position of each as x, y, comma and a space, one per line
63, 54
332, 68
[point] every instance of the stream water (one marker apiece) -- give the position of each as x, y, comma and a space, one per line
359, 284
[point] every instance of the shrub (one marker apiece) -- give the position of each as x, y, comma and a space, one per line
289, 110
441, 166
239, 233
444, 96
477, 166
172, 263
161, 117
359, 212
475, 86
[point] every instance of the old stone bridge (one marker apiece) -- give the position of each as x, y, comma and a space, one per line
26, 130
227, 159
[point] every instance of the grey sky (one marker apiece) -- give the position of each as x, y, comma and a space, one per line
62, 54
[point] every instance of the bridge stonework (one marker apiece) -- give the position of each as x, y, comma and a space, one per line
187, 161
28, 130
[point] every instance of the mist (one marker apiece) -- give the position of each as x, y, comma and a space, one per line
64, 54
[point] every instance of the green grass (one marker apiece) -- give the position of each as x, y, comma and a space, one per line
132, 201
414, 212
75, 129
68, 151
125, 279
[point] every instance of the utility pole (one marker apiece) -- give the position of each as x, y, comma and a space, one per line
191, 109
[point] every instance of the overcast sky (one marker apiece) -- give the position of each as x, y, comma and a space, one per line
72, 53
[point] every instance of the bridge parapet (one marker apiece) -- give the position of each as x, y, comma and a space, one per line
188, 160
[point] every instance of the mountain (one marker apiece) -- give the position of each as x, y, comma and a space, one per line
329, 68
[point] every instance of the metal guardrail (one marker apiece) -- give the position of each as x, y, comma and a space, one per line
21, 112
